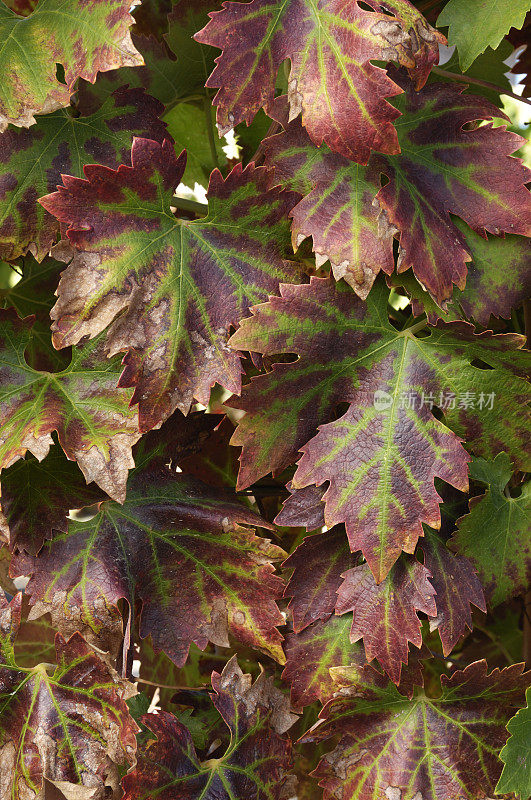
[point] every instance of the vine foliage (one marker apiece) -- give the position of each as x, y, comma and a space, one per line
264, 431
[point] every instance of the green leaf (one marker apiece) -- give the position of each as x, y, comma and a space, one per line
330, 46
95, 424
348, 352
38, 495
33, 295
495, 534
87, 40
516, 774
195, 60
488, 67
180, 283
441, 748
68, 724
179, 552
187, 125
254, 765
475, 25
32, 162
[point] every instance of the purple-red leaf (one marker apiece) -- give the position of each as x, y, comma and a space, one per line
68, 724
445, 747
317, 563
179, 284
255, 765
179, 552
456, 586
385, 614
330, 44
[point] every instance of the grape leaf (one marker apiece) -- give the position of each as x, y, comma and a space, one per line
475, 25
318, 563
33, 295
151, 17
254, 765
32, 162
35, 640
188, 127
87, 40
178, 438
216, 463
385, 614
175, 68
93, 419
337, 209
69, 726
179, 283
434, 748
157, 76
21, 7
195, 60
304, 507
441, 170
456, 586
349, 352
311, 653
6, 584
330, 45
37, 496
498, 279
444, 168
495, 534
178, 551
516, 774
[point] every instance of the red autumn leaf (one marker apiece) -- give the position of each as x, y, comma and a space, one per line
317, 563
67, 723
312, 653
449, 166
349, 352
338, 209
181, 554
254, 765
330, 45
435, 747
33, 160
456, 585
180, 284
385, 614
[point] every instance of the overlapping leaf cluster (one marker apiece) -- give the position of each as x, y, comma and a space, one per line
264, 444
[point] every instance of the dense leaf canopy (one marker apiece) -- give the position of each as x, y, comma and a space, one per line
265, 272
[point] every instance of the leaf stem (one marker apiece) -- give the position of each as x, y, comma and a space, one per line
478, 82
184, 204
177, 100
207, 106
418, 326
